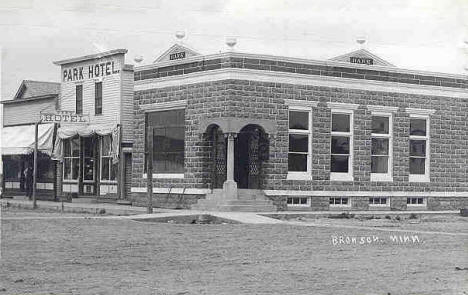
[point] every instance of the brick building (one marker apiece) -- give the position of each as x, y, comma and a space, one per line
236, 131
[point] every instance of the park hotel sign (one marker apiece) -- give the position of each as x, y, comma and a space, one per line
63, 117
96, 70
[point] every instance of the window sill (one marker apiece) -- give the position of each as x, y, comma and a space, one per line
381, 177
341, 177
379, 205
419, 178
165, 175
299, 176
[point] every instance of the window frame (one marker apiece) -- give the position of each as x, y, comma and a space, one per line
79, 111
98, 108
389, 175
426, 176
107, 158
71, 157
302, 175
423, 204
372, 204
307, 204
341, 205
343, 176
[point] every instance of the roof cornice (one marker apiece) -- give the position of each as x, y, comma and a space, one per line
300, 61
91, 56
29, 99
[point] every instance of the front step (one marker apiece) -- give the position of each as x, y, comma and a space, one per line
248, 200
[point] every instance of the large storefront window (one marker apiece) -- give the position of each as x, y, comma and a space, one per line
168, 140
108, 169
71, 158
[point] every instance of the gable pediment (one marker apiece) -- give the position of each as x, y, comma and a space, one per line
364, 57
176, 52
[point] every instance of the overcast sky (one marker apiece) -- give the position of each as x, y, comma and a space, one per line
414, 34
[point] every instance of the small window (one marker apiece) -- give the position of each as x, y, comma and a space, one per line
339, 201
298, 201
378, 201
79, 99
98, 98
416, 201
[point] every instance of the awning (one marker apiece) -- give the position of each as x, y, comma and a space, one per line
19, 140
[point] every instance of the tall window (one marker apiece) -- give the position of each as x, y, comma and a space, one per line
299, 158
168, 140
98, 98
71, 158
419, 148
79, 99
341, 145
108, 169
381, 150
88, 158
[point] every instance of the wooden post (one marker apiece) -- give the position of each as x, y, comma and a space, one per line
149, 168
36, 137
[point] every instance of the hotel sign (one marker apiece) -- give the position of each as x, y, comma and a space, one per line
63, 117
361, 60
177, 55
90, 72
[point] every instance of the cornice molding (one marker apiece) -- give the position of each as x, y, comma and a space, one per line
295, 79
424, 112
383, 109
164, 106
342, 106
300, 103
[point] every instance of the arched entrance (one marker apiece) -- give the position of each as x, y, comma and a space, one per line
251, 149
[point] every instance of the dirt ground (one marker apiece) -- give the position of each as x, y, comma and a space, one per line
51, 253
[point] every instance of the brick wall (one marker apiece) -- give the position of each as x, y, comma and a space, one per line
261, 100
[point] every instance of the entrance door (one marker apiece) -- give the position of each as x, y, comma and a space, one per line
248, 158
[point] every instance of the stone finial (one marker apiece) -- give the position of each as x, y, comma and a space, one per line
231, 42
180, 35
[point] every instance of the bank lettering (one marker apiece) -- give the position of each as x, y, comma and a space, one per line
90, 72
177, 55
361, 60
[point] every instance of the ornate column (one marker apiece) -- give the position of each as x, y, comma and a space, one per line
230, 186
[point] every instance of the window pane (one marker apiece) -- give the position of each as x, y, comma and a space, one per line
339, 163
175, 138
340, 122
418, 127
418, 148
344, 201
340, 145
114, 169
289, 201
303, 201
380, 125
105, 169
75, 168
417, 165
295, 201
298, 143
159, 140
420, 200
67, 168
379, 164
88, 169
79, 99
66, 148
297, 162
88, 146
380, 146
175, 162
166, 118
75, 146
298, 120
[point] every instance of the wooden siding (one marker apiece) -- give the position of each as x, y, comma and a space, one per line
26, 112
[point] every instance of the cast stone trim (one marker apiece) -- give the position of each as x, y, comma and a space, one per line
164, 106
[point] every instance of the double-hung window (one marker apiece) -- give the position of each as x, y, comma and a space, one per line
382, 142
341, 146
98, 98
300, 139
79, 99
71, 158
419, 140
108, 168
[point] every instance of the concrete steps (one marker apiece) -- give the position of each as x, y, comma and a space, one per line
248, 200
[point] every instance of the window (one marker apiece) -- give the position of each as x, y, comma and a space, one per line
419, 152
341, 147
168, 140
298, 201
340, 202
378, 201
382, 147
299, 156
79, 99
71, 158
98, 98
418, 201
108, 169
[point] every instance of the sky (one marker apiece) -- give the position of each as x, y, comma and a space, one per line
425, 35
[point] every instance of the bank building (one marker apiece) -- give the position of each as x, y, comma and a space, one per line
236, 131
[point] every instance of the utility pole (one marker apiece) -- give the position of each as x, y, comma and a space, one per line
149, 168
36, 137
